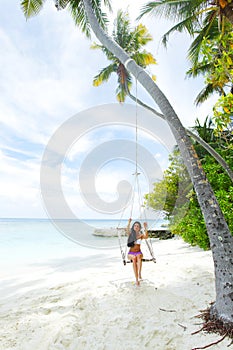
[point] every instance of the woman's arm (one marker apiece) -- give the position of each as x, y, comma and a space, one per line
128, 227
146, 230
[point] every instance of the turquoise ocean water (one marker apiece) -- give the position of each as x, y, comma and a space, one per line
35, 240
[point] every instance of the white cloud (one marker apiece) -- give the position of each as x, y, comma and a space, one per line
19, 189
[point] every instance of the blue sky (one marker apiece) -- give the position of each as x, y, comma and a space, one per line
46, 76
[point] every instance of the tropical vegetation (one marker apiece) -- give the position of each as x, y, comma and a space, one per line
185, 216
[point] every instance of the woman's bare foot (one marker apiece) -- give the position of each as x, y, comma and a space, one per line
137, 283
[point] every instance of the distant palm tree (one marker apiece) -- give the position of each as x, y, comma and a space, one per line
132, 41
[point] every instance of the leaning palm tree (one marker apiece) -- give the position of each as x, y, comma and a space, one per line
132, 41
221, 240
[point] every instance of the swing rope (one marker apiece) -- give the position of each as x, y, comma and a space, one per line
136, 187
124, 253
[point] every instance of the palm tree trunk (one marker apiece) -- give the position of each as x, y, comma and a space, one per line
213, 153
227, 11
221, 240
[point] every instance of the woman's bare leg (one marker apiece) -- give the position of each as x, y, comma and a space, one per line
140, 268
135, 269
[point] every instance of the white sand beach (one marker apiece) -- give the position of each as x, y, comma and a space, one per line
92, 302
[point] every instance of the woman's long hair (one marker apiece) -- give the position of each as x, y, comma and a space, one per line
132, 236
132, 228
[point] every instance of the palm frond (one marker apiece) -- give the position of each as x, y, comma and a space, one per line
122, 89
187, 24
95, 46
205, 93
120, 95
151, 8
100, 15
122, 32
205, 131
108, 53
198, 69
61, 4
142, 35
31, 7
175, 10
208, 31
144, 59
104, 74
163, 8
107, 3
78, 13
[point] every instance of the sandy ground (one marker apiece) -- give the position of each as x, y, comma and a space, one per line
93, 303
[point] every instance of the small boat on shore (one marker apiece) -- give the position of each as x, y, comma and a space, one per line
110, 232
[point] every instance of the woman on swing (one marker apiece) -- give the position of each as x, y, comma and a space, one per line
135, 237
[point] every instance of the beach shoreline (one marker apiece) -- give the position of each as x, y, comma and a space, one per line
93, 303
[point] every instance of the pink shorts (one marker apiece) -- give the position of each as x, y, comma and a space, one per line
135, 253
